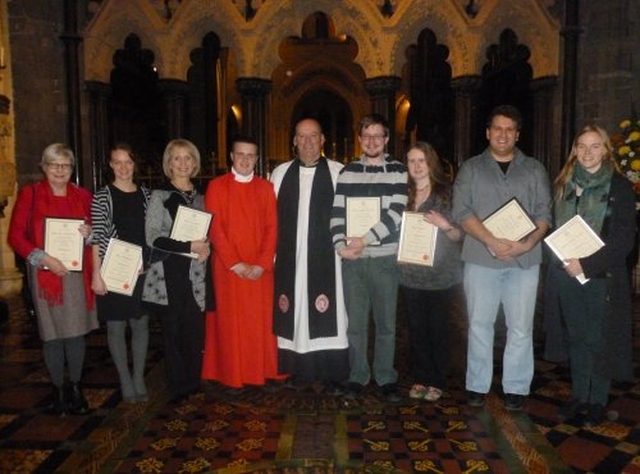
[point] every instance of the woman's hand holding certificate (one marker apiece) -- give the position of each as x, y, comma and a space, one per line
574, 240
121, 266
192, 225
63, 241
417, 240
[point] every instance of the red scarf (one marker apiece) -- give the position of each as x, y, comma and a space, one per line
73, 205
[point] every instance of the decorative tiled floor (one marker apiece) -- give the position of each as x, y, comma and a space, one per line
279, 429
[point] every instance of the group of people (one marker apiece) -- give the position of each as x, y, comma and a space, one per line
282, 291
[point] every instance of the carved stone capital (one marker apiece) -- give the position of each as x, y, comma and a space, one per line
382, 85
253, 86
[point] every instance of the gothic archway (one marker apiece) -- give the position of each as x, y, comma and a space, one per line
506, 79
334, 115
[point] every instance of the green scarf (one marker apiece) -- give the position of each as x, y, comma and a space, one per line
592, 204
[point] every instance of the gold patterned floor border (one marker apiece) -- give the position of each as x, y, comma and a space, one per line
521, 444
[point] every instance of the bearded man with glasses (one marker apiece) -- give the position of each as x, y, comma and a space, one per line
370, 275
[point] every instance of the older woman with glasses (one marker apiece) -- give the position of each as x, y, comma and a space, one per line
64, 302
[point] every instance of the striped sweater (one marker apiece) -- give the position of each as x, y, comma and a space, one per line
387, 181
103, 228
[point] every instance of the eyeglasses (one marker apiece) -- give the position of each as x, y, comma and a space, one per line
59, 166
375, 138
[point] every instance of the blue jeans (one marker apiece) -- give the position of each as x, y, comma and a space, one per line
371, 284
485, 289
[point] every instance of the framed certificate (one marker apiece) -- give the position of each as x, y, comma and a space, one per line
362, 214
190, 224
63, 240
121, 266
510, 222
417, 240
574, 239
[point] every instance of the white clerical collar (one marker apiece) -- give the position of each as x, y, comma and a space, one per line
241, 178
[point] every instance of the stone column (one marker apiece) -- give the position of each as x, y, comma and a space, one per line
98, 97
10, 276
466, 123
543, 95
571, 33
382, 90
254, 92
71, 40
174, 94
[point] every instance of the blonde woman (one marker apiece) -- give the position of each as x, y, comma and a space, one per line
597, 315
176, 283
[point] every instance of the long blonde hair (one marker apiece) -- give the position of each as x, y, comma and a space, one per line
567, 170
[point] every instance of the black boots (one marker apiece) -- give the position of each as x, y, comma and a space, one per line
77, 403
69, 399
59, 405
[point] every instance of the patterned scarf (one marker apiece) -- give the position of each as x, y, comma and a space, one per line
592, 204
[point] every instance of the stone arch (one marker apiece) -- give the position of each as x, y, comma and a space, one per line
534, 28
350, 17
193, 22
450, 29
108, 31
313, 76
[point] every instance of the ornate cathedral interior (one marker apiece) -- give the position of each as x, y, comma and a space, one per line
90, 73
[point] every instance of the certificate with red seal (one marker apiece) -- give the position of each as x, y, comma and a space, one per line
63, 240
121, 266
417, 240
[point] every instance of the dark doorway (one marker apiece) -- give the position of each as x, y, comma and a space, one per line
335, 117
506, 79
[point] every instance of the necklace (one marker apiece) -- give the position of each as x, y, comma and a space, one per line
423, 188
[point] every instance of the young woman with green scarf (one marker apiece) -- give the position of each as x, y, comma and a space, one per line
596, 315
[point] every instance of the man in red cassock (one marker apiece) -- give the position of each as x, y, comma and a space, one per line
240, 347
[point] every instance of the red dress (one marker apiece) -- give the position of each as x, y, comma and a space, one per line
240, 347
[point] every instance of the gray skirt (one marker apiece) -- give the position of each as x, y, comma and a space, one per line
71, 319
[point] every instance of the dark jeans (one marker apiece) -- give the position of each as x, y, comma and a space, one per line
428, 314
583, 314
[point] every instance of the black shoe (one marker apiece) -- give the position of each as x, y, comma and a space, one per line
475, 399
333, 388
354, 390
595, 415
570, 409
295, 383
273, 386
513, 401
78, 405
59, 405
390, 392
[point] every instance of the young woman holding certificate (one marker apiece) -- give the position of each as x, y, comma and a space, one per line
64, 303
596, 314
429, 289
176, 280
118, 211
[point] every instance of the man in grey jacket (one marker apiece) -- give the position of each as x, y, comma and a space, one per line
498, 270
